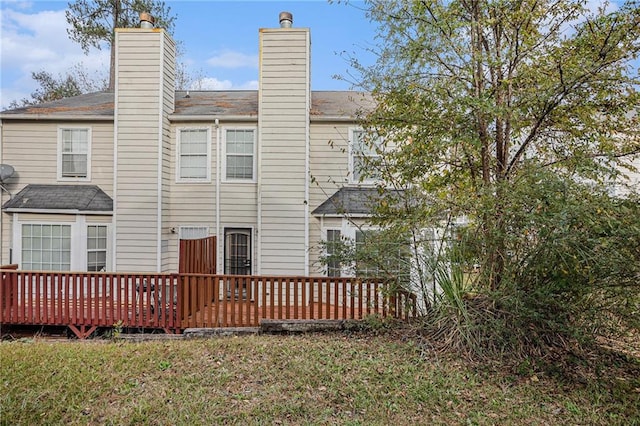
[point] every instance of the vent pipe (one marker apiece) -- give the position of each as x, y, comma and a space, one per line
286, 19
146, 20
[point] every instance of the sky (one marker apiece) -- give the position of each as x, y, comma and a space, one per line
219, 42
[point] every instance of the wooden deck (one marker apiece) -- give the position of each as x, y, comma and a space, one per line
173, 302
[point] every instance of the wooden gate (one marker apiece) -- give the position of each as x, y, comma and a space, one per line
198, 256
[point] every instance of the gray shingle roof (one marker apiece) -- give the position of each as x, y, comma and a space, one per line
199, 103
81, 198
349, 201
91, 104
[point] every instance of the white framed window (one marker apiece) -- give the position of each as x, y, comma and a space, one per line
361, 149
239, 148
333, 240
364, 266
45, 247
96, 248
193, 162
74, 153
64, 245
373, 257
376, 257
193, 232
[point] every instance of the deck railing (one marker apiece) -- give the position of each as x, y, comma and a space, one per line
239, 300
173, 302
85, 301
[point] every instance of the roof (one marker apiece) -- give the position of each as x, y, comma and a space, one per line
350, 201
91, 104
80, 198
236, 103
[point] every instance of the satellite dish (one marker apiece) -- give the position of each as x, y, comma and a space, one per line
6, 171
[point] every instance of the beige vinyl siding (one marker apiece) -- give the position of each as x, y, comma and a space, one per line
36, 217
71, 218
168, 101
238, 204
93, 220
283, 121
329, 167
194, 203
189, 203
31, 147
141, 120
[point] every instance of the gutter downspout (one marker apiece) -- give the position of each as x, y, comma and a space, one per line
159, 168
218, 175
307, 161
259, 167
116, 108
2, 189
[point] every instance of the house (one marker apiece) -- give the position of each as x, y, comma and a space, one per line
113, 180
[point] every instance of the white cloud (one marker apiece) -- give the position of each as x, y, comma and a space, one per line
249, 85
212, 83
31, 42
232, 59
9, 95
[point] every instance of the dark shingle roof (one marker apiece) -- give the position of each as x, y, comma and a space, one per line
81, 198
349, 201
198, 103
227, 102
91, 104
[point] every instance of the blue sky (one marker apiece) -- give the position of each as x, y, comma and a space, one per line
219, 39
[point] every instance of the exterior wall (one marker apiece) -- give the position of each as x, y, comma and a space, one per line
194, 203
632, 180
634, 177
31, 147
284, 101
144, 79
188, 203
329, 169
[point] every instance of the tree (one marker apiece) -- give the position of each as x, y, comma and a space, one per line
510, 114
75, 82
93, 22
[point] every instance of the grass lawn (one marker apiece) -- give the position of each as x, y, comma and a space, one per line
307, 379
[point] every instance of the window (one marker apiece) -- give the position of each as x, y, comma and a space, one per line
194, 164
46, 247
239, 154
96, 248
73, 160
380, 254
333, 253
366, 254
361, 151
193, 232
